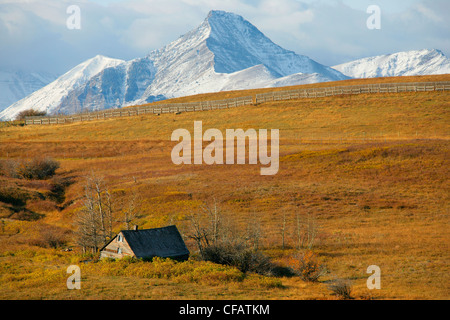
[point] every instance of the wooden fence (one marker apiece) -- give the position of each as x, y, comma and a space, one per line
140, 110
356, 89
242, 101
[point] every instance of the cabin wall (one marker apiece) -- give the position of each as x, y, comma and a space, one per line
112, 249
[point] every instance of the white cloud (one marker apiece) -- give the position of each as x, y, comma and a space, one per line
34, 34
429, 13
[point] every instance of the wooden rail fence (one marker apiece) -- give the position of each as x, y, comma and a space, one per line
355, 89
140, 110
242, 101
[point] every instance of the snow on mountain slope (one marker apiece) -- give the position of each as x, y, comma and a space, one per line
250, 78
224, 44
409, 63
237, 45
211, 81
225, 52
112, 87
296, 79
49, 97
15, 85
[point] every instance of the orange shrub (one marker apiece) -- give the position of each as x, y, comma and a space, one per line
307, 266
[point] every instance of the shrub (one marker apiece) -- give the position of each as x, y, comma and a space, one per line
9, 168
221, 242
53, 238
30, 113
13, 196
36, 168
50, 237
342, 288
307, 266
239, 256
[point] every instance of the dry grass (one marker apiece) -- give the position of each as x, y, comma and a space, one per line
371, 169
242, 93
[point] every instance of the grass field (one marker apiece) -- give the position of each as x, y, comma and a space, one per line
372, 171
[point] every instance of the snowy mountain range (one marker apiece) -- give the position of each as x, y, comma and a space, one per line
410, 63
50, 97
17, 84
226, 52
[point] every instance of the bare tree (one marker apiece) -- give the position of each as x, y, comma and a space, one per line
306, 231
254, 232
131, 211
206, 233
312, 230
101, 212
215, 220
88, 226
199, 233
95, 186
30, 112
95, 221
299, 232
109, 212
220, 241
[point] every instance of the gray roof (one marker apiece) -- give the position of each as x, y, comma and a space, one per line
163, 242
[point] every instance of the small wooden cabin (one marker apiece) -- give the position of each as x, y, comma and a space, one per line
163, 242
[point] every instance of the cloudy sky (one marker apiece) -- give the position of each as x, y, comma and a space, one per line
34, 33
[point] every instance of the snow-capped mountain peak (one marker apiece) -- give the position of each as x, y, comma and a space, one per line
225, 52
408, 63
49, 97
89, 68
224, 44
237, 45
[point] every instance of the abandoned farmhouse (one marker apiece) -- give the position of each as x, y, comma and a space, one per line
163, 242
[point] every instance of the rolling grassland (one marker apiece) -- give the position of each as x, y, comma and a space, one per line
370, 171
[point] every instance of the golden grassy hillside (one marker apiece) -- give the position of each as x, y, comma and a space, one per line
242, 93
371, 170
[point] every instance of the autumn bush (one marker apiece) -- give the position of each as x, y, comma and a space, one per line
37, 168
50, 237
306, 264
220, 241
30, 113
341, 288
240, 256
13, 196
